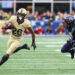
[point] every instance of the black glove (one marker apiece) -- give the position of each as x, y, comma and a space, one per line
33, 44
9, 27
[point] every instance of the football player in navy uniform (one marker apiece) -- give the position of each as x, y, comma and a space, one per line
69, 47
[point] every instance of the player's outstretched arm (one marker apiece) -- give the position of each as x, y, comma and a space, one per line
33, 37
9, 26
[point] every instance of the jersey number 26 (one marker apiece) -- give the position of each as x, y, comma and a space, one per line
17, 32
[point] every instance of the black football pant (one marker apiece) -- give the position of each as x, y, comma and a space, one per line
68, 46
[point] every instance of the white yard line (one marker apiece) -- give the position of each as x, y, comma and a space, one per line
38, 74
37, 63
49, 39
32, 59
50, 42
54, 45
64, 55
36, 68
58, 50
68, 55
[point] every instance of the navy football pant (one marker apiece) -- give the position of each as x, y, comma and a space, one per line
67, 47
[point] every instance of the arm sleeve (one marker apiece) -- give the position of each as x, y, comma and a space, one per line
28, 24
11, 19
9, 24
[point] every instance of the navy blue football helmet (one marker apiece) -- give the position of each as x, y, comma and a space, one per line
69, 19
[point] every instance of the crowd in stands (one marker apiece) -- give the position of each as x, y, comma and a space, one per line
46, 23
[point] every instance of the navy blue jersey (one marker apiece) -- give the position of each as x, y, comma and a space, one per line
71, 30
70, 45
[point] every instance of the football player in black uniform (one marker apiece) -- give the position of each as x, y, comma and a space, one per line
69, 47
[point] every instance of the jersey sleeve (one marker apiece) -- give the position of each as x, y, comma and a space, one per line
11, 19
28, 24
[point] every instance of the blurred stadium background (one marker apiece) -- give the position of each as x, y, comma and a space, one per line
47, 17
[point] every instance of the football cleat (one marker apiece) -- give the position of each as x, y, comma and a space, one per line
72, 54
25, 46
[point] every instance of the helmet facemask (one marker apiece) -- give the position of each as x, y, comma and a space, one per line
21, 14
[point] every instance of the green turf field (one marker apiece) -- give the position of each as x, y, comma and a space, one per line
45, 60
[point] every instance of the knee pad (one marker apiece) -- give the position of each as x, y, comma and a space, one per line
63, 50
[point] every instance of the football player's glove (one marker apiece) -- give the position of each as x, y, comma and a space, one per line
9, 27
34, 45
